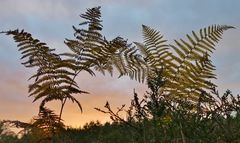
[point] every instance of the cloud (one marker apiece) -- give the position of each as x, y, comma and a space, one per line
44, 8
15, 104
13, 85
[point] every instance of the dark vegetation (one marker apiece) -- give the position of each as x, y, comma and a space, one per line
181, 104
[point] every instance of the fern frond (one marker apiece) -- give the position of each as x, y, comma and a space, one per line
52, 71
155, 52
193, 66
188, 71
92, 50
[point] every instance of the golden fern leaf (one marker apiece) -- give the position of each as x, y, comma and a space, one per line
154, 51
156, 46
193, 65
187, 71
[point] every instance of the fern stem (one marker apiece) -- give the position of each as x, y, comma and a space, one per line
65, 99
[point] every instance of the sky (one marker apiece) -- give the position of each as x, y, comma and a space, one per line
51, 21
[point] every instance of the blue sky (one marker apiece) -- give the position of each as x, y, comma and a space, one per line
51, 21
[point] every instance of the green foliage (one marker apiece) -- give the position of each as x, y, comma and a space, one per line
158, 119
166, 121
6, 136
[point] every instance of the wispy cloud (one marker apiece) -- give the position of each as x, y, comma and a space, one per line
43, 8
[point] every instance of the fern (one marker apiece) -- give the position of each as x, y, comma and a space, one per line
93, 51
154, 50
188, 70
185, 66
54, 77
194, 70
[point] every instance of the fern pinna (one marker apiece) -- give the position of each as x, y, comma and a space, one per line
187, 69
54, 77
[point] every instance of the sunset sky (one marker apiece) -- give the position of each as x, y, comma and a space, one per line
51, 21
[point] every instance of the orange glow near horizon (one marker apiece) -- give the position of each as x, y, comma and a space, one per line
15, 105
